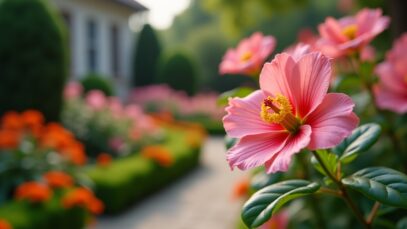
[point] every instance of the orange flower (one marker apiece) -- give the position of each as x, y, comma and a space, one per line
34, 192
4, 224
9, 138
11, 120
75, 152
33, 120
57, 137
104, 159
82, 197
159, 154
241, 189
58, 179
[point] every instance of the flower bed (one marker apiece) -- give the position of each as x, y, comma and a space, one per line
200, 108
128, 179
41, 184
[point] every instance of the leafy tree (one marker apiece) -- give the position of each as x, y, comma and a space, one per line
178, 71
33, 57
146, 56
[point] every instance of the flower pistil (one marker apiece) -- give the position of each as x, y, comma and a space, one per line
282, 113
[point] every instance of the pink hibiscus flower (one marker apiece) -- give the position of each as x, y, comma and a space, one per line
95, 99
350, 34
73, 90
391, 91
291, 111
249, 56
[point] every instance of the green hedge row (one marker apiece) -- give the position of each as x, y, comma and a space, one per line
130, 179
49, 215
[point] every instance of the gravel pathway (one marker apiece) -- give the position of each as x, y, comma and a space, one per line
201, 200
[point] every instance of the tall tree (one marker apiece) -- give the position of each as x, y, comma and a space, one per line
33, 57
146, 56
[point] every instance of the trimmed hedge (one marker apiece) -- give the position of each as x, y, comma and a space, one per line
50, 215
33, 57
179, 72
146, 57
94, 81
130, 179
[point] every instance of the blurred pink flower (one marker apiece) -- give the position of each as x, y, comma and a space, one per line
249, 56
278, 221
96, 99
115, 106
307, 36
133, 111
73, 90
350, 34
291, 111
116, 143
391, 91
346, 5
368, 53
169, 100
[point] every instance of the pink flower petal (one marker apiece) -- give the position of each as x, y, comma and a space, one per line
243, 116
371, 21
391, 100
332, 30
254, 150
281, 160
332, 121
275, 76
389, 78
310, 82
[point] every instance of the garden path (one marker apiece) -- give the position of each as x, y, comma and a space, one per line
201, 200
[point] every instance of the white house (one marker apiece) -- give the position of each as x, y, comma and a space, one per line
102, 37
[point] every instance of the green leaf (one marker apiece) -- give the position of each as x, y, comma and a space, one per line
382, 184
264, 203
329, 159
402, 224
263, 179
230, 142
361, 139
237, 92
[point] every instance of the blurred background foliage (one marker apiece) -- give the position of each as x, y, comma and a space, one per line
208, 28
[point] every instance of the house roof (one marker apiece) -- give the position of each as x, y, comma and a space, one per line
132, 4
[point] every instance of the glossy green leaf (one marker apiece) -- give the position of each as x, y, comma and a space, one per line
264, 203
361, 139
263, 179
330, 160
230, 142
381, 184
237, 92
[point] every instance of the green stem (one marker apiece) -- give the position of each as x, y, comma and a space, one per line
312, 200
344, 192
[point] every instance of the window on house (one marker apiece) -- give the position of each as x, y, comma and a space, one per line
115, 50
92, 43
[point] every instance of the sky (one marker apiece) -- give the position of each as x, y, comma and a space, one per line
162, 12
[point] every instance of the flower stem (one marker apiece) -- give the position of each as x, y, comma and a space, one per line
344, 192
313, 202
373, 213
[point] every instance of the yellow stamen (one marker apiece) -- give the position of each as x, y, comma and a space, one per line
350, 31
246, 56
282, 112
